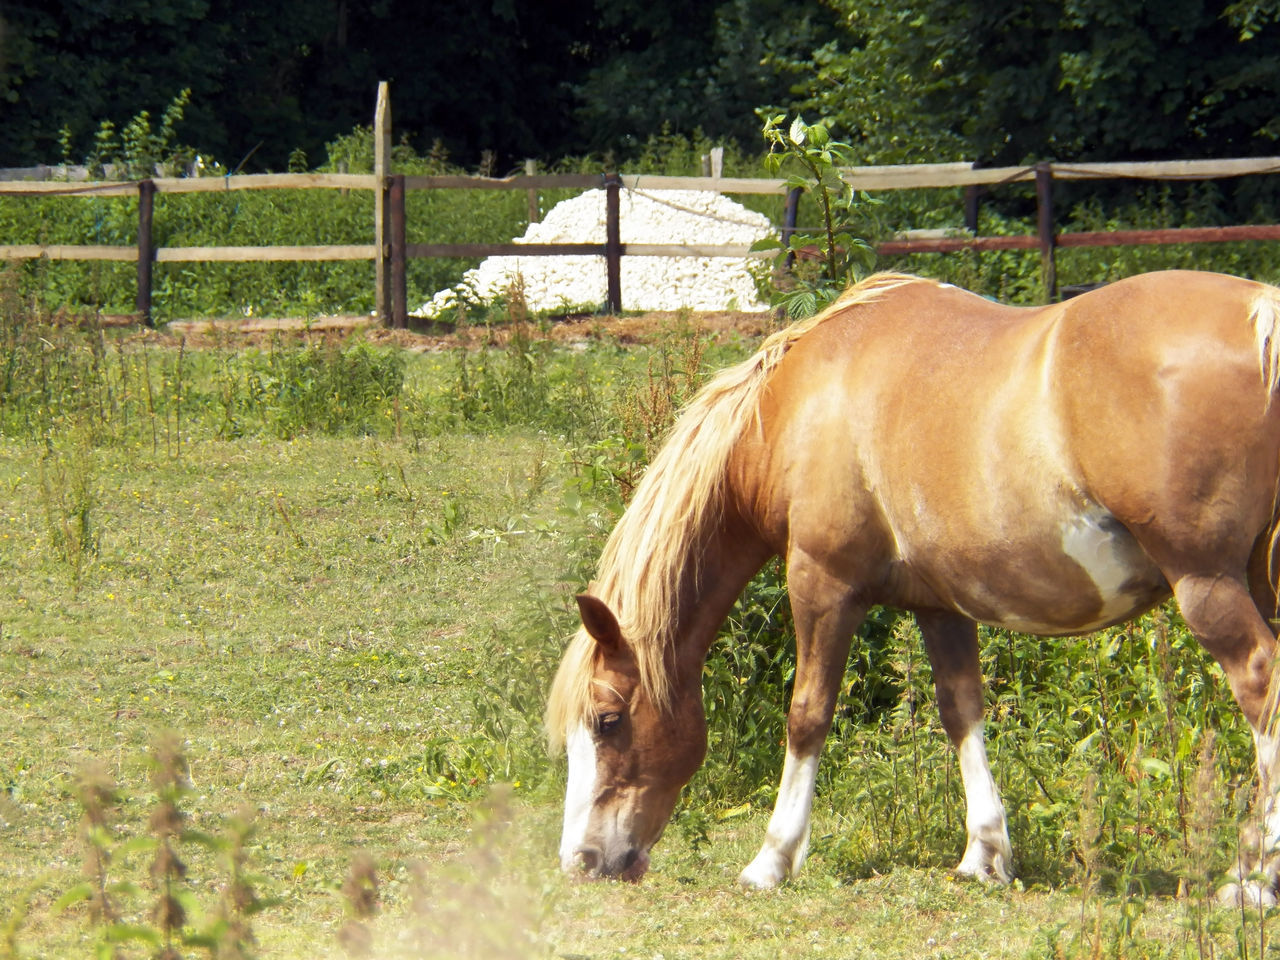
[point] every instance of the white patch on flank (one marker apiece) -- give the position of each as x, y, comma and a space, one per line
1097, 550
579, 794
787, 840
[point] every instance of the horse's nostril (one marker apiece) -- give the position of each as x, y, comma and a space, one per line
630, 859
589, 859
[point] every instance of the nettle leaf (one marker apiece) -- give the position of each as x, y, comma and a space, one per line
1155, 767
798, 131
767, 243
832, 180
77, 894
129, 932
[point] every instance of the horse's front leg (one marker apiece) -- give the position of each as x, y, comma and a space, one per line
952, 643
826, 616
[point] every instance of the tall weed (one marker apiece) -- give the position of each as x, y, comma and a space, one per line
68, 494
327, 389
163, 914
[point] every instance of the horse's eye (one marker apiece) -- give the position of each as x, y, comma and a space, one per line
607, 723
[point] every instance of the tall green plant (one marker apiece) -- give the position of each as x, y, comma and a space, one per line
809, 159
137, 149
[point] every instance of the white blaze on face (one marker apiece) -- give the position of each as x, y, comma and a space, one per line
579, 794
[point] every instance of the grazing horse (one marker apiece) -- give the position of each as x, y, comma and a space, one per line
1049, 470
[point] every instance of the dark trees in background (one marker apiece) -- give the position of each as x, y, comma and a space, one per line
521, 78
1011, 82
903, 80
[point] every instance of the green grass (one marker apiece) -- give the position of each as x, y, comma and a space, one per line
297, 620
348, 608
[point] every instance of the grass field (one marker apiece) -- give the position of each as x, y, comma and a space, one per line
348, 625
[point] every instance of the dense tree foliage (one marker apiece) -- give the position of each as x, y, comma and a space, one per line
697, 65
517, 77
1060, 79
900, 79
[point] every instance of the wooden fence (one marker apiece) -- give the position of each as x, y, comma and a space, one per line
391, 251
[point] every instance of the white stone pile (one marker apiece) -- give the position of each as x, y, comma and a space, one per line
648, 282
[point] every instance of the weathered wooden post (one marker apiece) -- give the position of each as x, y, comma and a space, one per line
383, 303
613, 241
146, 248
399, 284
789, 213
1044, 228
530, 169
972, 201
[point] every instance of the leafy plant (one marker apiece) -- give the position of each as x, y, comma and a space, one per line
115, 912
137, 150
807, 156
68, 495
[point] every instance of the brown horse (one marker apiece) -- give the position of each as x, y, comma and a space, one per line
1050, 470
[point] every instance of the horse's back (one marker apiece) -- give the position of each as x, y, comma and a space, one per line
1037, 467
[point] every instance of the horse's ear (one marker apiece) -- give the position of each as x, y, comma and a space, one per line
599, 621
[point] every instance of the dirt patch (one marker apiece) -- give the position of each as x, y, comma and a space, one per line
435, 336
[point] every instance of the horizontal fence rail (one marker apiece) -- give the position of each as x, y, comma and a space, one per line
389, 196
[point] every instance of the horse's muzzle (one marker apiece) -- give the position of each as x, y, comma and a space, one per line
588, 861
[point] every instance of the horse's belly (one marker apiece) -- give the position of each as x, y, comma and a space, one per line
1084, 573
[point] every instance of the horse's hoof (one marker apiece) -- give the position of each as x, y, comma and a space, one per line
992, 874
764, 875
982, 862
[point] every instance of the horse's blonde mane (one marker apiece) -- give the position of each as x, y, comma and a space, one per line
676, 504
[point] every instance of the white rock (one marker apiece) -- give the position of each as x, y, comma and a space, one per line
648, 283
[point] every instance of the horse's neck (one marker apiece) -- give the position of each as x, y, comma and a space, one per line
730, 557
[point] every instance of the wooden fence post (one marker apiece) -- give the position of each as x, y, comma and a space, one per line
1044, 228
789, 214
146, 248
530, 169
399, 284
972, 201
381, 215
613, 241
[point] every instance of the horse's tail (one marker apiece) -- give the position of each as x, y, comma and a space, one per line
676, 503
1264, 316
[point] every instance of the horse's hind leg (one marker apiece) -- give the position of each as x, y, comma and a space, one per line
1223, 615
952, 643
